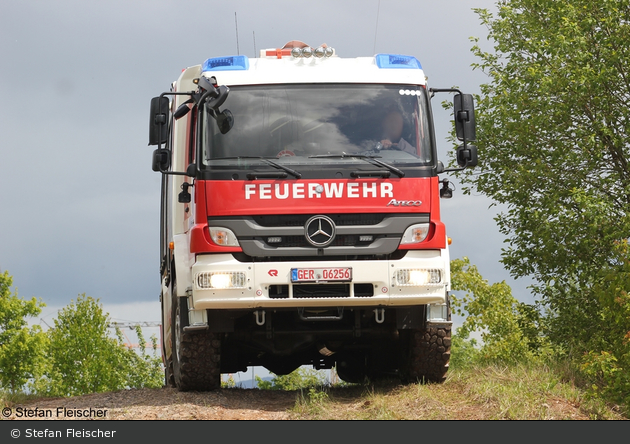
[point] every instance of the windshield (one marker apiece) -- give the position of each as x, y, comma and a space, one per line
306, 124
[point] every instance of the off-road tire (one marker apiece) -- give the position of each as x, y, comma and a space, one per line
352, 369
196, 355
426, 354
169, 378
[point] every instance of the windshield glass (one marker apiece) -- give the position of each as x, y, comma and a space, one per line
305, 124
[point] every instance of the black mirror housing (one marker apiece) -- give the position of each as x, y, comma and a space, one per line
158, 120
182, 110
467, 156
464, 111
191, 170
161, 160
225, 121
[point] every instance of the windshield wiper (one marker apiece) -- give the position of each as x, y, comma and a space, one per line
292, 172
369, 159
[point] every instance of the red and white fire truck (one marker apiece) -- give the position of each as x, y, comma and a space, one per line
300, 217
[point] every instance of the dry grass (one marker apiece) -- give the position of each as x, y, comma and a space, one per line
485, 393
479, 393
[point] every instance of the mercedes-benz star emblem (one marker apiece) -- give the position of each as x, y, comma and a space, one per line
319, 231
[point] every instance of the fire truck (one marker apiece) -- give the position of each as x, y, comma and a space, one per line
300, 217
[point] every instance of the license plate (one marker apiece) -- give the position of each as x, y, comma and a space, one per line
334, 274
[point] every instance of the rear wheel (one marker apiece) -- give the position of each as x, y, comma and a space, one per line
352, 368
196, 355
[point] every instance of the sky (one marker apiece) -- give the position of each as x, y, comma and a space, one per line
78, 199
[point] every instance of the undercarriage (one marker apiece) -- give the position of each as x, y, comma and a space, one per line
361, 343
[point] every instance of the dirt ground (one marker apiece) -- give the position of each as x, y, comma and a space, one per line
244, 404
167, 403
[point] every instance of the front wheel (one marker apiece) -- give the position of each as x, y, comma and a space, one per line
425, 354
169, 380
196, 355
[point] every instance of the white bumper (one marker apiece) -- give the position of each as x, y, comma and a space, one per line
256, 279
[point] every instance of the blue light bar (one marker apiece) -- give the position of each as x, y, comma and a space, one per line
231, 63
397, 61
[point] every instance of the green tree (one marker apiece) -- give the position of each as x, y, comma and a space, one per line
143, 367
21, 347
607, 361
553, 139
508, 328
84, 358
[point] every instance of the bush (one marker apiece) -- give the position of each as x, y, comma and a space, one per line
509, 329
21, 347
83, 358
299, 379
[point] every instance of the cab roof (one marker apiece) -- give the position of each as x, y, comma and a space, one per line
307, 65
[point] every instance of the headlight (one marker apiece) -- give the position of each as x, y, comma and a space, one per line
416, 277
221, 280
223, 236
415, 234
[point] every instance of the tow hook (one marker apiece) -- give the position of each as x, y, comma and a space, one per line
260, 317
379, 315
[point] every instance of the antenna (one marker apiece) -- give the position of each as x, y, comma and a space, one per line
378, 10
255, 53
238, 51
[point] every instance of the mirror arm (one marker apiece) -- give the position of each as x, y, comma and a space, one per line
174, 173
450, 170
440, 90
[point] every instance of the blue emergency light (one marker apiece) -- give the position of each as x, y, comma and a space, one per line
230, 63
397, 61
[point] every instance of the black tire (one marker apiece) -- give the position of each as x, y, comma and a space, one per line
196, 355
425, 354
352, 369
169, 379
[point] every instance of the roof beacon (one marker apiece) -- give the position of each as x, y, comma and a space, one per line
231, 63
396, 61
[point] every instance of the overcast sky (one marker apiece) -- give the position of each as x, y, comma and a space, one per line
78, 198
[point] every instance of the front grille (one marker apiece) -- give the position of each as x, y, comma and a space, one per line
321, 291
300, 241
365, 235
298, 220
396, 255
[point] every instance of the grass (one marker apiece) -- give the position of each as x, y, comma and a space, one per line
8, 399
525, 392
471, 392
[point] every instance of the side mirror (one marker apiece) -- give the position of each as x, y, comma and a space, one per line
218, 96
161, 160
467, 156
182, 110
158, 120
464, 111
225, 121
191, 170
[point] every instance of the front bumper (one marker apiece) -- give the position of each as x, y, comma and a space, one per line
256, 282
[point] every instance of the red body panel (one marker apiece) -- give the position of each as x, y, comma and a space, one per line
260, 197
